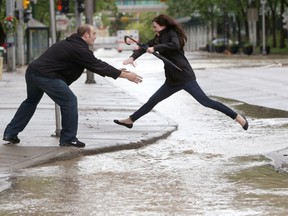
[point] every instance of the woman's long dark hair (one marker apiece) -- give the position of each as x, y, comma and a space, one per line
170, 23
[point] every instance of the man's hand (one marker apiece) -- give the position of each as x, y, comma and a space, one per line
131, 76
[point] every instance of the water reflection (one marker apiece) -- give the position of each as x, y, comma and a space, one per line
148, 182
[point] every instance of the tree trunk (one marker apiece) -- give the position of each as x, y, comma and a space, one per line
274, 43
282, 30
273, 6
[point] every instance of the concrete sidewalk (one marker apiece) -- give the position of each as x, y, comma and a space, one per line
98, 105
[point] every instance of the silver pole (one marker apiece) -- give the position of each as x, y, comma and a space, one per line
52, 20
11, 57
20, 34
53, 38
89, 20
78, 16
263, 28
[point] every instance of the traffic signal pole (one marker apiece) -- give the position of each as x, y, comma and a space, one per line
20, 34
78, 13
11, 57
53, 39
89, 6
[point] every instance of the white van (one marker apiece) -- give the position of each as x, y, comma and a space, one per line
121, 45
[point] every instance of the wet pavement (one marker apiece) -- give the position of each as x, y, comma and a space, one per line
209, 166
262, 83
98, 105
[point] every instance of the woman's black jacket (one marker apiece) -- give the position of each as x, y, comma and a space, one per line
168, 45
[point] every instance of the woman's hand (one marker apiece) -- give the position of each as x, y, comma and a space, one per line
150, 50
130, 60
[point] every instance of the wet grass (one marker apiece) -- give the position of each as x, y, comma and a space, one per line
254, 111
248, 159
262, 112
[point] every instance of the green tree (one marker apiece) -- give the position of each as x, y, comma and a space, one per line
214, 12
144, 26
2, 15
181, 8
41, 11
273, 5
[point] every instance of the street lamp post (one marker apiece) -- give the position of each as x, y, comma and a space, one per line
263, 2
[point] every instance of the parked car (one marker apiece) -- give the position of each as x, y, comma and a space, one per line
221, 41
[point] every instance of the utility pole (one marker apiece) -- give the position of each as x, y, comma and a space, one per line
78, 10
89, 6
11, 58
20, 34
53, 38
263, 2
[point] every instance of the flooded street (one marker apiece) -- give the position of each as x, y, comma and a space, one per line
209, 166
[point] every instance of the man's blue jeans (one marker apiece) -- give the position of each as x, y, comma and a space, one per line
59, 92
193, 89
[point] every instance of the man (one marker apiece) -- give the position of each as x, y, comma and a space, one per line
52, 73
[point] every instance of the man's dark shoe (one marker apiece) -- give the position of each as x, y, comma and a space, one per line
12, 140
75, 143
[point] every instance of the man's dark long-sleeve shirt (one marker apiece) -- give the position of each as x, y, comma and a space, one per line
167, 44
67, 60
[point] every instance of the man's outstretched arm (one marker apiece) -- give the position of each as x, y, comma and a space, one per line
131, 76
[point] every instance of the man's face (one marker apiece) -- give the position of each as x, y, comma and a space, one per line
90, 37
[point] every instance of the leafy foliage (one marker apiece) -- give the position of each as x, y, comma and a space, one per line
144, 26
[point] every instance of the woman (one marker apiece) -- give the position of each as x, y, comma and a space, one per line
169, 42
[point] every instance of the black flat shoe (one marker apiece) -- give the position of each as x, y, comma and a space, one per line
245, 127
12, 140
123, 124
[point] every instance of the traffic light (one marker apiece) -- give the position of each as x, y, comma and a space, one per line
80, 6
59, 5
26, 15
65, 6
25, 3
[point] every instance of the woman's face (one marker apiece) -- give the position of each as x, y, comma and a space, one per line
157, 28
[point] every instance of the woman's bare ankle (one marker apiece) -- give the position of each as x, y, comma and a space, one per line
241, 120
127, 121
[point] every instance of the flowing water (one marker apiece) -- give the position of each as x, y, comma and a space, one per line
199, 170
209, 166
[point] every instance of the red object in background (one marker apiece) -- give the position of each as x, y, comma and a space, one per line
4, 45
59, 5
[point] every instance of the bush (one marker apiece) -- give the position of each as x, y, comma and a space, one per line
248, 49
234, 48
220, 48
